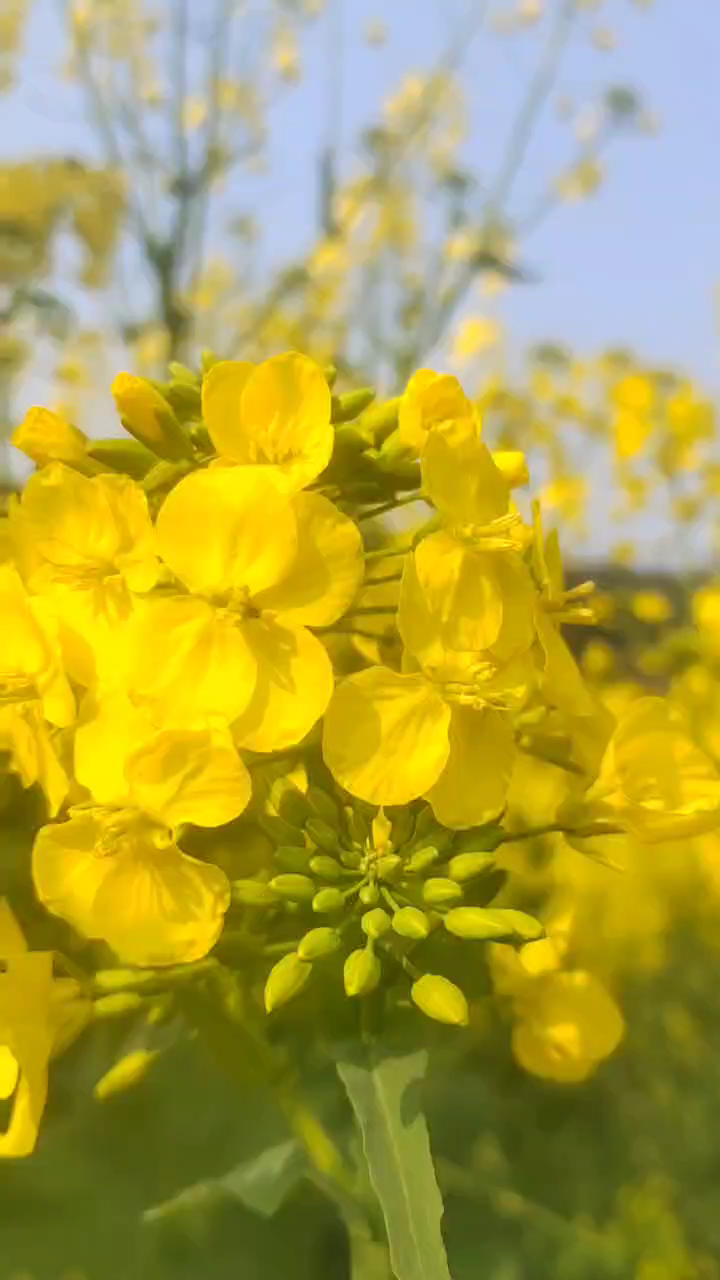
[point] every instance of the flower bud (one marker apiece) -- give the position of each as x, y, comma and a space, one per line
381, 829
118, 1005
387, 866
324, 836
128, 456
146, 414
327, 900
491, 922
291, 858
352, 404
324, 806
361, 973
253, 893
295, 887
410, 922
440, 999
323, 865
375, 923
351, 858
282, 832
318, 943
128, 1071
285, 980
465, 866
369, 894
358, 826
46, 437
403, 825
439, 892
422, 858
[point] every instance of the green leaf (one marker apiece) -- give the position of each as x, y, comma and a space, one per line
261, 1184
382, 1091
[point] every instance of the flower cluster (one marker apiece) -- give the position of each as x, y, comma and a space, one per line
189, 616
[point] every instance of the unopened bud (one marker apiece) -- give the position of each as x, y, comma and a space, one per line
490, 922
127, 1072
285, 980
410, 922
323, 865
296, 888
388, 865
118, 1005
439, 892
146, 414
324, 836
465, 866
369, 893
128, 456
292, 859
422, 858
253, 893
440, 999
318, 943
375, 923
324, 806
352, 404
362, 972
381, 829
328, 900
351, 858
281, 831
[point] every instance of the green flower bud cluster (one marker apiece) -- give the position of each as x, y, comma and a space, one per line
368, 887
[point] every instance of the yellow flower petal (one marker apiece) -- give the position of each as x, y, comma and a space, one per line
285, 412
222, 390
386, 736
152, 906
104, 739
160, 906
327, 571
563, 684
227, 529
429, 398
189, 663
9, 1072
276, 414
460, 477
188, 776
452, 590
294, 686
472, 788
77, 529
67, 871
46, 437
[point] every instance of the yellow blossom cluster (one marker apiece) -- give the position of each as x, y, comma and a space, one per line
188, 647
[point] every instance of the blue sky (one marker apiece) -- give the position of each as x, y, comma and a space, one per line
639, 265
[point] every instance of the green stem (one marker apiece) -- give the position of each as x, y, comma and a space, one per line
384, 553
388, 577
384, 507
369, 610
557, 828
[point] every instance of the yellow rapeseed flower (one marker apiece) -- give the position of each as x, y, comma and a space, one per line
39, 1015
260, 567
113, 869
86, 546
276, 414
34, 691
654, 781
